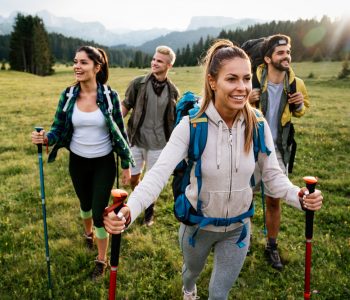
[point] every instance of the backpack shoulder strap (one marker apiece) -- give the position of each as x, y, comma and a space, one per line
259, 136
107, 93
198, 134
255, 81
69, 96
198, 141
293, 87
259, 140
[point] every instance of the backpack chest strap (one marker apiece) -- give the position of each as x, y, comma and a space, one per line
204, 221
69, 96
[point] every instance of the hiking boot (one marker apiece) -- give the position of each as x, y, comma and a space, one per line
89, 240
273, 256
99, 271
149, 219
149, 222
190, 295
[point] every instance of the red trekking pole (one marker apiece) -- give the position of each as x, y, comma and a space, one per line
309, 223
118, 196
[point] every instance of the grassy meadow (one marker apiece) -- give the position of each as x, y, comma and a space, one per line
150, 264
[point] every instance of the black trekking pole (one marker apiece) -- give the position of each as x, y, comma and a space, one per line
117, 171
42, 192
309, 223
118, 196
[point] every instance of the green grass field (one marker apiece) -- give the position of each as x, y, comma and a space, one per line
150, 264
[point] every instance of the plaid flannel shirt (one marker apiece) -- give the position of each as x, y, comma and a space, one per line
61, 130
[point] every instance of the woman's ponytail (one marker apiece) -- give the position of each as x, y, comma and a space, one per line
102, 75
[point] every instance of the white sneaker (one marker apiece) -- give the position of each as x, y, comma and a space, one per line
190, 295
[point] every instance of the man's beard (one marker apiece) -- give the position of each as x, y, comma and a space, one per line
279, 66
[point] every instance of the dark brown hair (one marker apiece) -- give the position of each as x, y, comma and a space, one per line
99, 57
273, 41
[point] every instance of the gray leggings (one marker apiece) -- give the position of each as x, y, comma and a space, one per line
228, 258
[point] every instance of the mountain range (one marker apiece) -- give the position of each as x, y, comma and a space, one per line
142, 39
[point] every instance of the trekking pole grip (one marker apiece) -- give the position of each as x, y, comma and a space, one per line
40, 146
309, 215
118, 197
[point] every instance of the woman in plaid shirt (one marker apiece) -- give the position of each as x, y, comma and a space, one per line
88, 122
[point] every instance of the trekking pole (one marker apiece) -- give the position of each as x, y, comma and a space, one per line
42, 192
309, 223
118, 196
117, 171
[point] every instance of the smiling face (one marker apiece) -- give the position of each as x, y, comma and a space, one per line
160, 64
280, 58
232, 86
84, 68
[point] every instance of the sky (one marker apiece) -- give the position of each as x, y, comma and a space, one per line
175, 14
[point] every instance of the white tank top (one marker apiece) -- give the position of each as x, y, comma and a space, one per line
90, 135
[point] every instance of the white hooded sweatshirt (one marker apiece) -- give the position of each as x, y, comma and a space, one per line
226, 172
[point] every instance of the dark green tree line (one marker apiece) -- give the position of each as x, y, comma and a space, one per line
29, 49
63, 50
4, 47
141, 60
311, 39
191, 56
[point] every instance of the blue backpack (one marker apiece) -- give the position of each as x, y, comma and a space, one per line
183, 210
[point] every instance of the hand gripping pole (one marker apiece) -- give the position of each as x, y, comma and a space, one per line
309, 223
118, 196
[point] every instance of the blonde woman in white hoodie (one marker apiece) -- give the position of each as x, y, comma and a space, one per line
227, 165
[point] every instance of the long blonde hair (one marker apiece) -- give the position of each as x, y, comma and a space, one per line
220, 51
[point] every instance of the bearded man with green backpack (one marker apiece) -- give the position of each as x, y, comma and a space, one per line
280, 95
